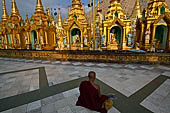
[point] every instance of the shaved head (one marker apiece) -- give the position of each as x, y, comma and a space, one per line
92, 75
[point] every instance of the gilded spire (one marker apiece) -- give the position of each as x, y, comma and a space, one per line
76, 4
52, 17
64, 19
60, 23
136, 13
98, 5
14, 10
5, 14
26, 19
69, 9
39, 6
83, 6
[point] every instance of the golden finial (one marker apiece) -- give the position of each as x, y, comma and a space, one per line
60, 23
98, 5
136, 12
69, 9
39, 7
26, 19
14, 10
83, 6
52, 17
5, 14
48, 12
64, 19
76, 4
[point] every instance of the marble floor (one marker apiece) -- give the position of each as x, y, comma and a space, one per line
52, 86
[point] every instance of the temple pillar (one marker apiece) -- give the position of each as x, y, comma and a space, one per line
12, 37
82, 41
168, 39
153, 33
28, 38
46, 38
55, 38
105, 34
124, 38
38, 37
68, 39
19, 40
6, 42
108, 37
142, 32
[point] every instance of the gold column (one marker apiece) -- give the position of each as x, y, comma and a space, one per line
38, 37
68, 40
6, 39
124, 38
153, 33
6, 42
46, 38
142, 32
12, 37
27, 33
108, 36
18, 37
168, 37
82, 39
105, 33
94, 24
55, 39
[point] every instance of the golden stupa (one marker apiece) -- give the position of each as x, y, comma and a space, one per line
116, 26
147, 29
153, 29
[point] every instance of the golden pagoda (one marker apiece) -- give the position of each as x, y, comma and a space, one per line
153, 30
136, 14
116, 27
3, 27
60, 32
41, 31
15, 24
76, 27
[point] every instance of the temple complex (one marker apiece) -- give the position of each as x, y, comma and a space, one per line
153, 29
115, 28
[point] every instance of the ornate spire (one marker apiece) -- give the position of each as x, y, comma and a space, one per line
136, 12
83, 6
69, 9
14, 10
26, 19
52, 17
60, 23
98, 5
48, 11
76, 4
64, 19
39, 6
5, 14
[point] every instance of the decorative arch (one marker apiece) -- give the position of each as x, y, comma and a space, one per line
73, 23
118, 21
165, 16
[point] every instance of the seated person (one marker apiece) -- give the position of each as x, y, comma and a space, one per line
90, 96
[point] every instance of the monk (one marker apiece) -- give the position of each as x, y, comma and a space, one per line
90, 96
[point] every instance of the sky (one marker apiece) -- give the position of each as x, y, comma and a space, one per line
28, 6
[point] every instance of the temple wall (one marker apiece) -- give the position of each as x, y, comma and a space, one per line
92, 56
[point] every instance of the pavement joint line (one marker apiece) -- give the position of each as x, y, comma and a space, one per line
19, 70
